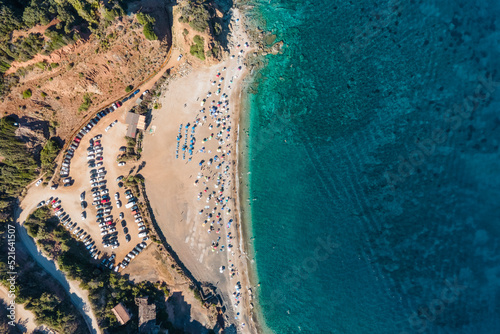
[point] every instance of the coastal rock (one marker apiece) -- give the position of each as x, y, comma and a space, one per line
276, 48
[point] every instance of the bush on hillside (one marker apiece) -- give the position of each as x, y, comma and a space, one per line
27, 94
198, 49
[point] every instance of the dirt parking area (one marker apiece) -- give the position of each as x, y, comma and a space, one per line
111, 141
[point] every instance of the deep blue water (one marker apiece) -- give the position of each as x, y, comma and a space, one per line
375, 167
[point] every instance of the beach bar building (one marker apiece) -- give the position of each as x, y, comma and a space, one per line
135, 122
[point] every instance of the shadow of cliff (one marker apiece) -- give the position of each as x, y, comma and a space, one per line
225, 7
179, 314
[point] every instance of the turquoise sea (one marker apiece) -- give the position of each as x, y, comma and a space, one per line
375, 167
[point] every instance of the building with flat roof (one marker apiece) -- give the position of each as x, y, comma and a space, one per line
135, 122
121, 313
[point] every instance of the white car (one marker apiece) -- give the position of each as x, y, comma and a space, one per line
84, 215
38, 182
142, 228
121, 163
179, 58
117, 196
118, 204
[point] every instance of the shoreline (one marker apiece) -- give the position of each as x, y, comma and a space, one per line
174, 181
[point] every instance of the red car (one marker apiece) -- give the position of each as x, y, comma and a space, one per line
105, 201
118, 104
77, 140
57, 209
109, 223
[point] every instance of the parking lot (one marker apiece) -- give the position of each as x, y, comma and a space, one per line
93, 186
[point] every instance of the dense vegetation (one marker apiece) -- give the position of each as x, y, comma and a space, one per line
198, 48
197, 14
39, 293
17, 166
106, 289
148, 26
69, 18
48, 154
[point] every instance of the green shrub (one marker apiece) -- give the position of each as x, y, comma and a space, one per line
149, 32
129, 88
41, 65
86, 103
43, 94
27, 94
198, 49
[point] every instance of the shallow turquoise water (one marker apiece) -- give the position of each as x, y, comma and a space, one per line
375, 163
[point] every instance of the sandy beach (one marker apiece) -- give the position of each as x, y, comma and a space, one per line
191, 173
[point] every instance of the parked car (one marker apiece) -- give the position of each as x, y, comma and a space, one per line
128, 238
122, 163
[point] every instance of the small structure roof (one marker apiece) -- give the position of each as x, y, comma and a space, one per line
121, 313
